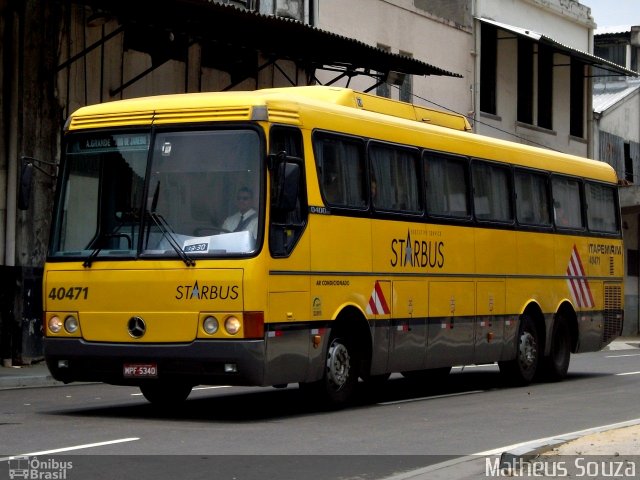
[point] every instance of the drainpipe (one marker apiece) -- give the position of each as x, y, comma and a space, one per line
12, 158
475, 86
590, 140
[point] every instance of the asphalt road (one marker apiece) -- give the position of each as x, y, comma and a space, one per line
264, 433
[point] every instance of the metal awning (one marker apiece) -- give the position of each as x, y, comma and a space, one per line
585, 57
234, 35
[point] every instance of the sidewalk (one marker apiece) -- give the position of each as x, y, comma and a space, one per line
35, 375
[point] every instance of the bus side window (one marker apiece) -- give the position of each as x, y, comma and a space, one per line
447, 186
567, 204
532, 198
492, 192
341, 170
395, 171
287, 227
601, 208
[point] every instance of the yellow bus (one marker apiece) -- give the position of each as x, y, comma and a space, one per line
319, 236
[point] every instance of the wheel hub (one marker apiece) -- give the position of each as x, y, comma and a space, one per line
338, 364
528, 350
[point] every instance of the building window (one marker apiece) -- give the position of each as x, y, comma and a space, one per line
488, 68
383, 90
628, 163
576, 99
545, 87
525, 80
406, 89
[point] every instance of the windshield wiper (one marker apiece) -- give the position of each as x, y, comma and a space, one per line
101, 239
166, 229
168, 233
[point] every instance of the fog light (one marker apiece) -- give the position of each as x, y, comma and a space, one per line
71, 324
210, 325
232, 325
55, 324
230, 368
63, 363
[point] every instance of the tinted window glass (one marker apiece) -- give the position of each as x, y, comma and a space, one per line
447, 186
340, 163
532, 199
566, 203
601, 208
394, 179
491, 192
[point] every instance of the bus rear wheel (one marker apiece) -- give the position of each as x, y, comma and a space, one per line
165, 394
555, 366
522, 369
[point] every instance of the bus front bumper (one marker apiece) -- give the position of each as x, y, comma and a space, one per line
201, 362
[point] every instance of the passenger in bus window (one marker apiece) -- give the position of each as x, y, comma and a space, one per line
561, 217
374, 190
246, 218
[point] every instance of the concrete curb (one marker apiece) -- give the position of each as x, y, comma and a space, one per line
473, 466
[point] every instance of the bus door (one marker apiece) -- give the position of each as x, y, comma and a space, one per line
288, 356
408, 332
451, 324
489, 331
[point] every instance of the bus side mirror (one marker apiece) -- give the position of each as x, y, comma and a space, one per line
26, 182
287, 180
26, 178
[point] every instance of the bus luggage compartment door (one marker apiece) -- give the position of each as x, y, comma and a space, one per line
451, 324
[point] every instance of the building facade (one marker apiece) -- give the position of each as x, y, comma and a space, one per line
616, 134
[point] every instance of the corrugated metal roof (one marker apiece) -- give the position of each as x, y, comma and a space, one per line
614, 30
229, 26
608, 95
567, 50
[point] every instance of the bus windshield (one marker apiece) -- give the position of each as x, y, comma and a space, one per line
173, 194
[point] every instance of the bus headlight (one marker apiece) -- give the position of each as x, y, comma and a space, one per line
71, 324
210, 325
55, 324
232, 325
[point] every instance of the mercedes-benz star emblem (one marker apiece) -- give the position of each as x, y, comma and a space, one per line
136, 327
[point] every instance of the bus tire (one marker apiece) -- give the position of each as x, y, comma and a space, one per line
522, 369
555, 366
165, 394
338, 383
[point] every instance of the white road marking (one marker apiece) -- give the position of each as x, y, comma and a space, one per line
211, 388
627, 373
196, 388
409, 400
69, 449
626, 355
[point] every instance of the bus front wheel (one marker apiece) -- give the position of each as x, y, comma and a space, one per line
340, 377
522, 369
165, 394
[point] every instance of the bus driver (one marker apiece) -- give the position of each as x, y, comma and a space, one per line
246, 218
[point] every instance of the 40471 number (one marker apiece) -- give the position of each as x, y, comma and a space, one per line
70, 293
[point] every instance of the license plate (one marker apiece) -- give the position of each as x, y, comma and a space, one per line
140, 370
